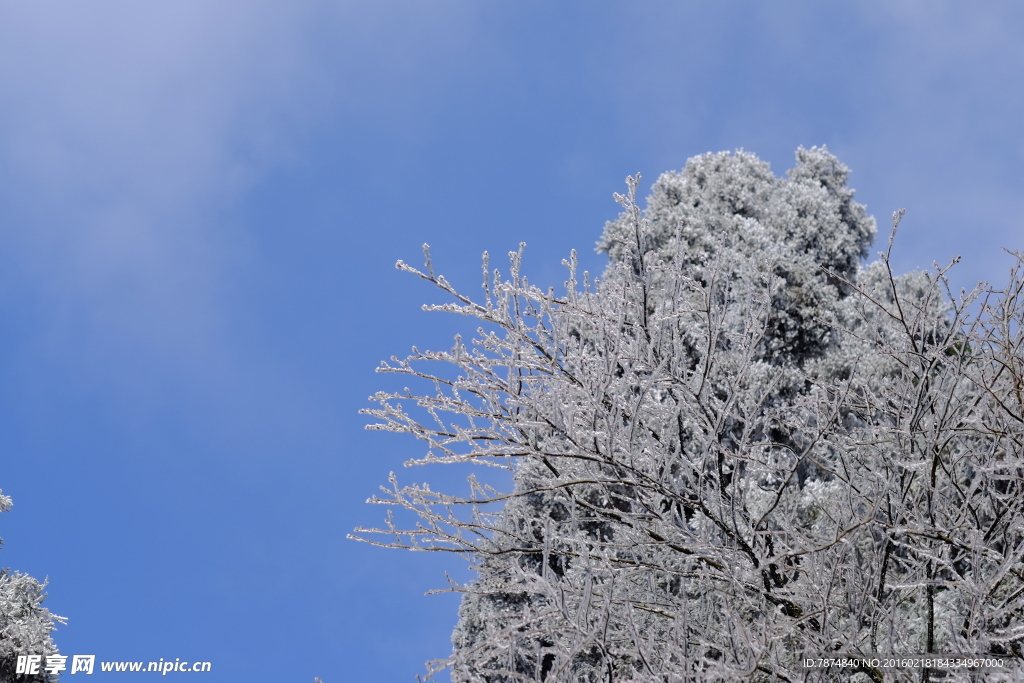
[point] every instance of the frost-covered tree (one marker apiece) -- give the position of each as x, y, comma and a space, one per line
25, 625
732, 209
735, 450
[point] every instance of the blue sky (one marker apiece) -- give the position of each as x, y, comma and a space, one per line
201, 204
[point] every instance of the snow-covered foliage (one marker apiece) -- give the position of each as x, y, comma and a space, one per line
25, 625
736, 450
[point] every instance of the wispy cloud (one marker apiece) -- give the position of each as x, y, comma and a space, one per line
129, 132
125, 129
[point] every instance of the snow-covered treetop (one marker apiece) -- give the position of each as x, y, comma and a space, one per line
804, 229
25, 625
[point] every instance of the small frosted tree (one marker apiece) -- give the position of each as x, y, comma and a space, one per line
25, 625
735, 450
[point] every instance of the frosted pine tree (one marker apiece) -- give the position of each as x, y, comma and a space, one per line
25, 625
729, 213
734, 451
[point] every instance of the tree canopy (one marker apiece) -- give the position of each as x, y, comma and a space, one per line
25, 625
737, 449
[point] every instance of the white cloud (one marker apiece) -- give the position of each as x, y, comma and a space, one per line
123, 128
127, 130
